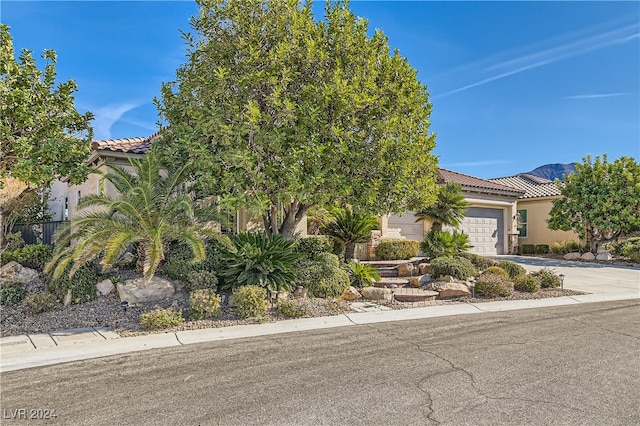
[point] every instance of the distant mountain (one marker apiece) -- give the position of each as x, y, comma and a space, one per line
553, 171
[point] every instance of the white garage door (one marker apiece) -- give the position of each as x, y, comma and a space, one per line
485, 230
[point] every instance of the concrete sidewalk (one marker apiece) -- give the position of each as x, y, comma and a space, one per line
26, 351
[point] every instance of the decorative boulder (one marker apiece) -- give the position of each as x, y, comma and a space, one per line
138, 290
376, 293
424, 268
453, 289
604, 256
588, 256
414, 282
572, 256
424, 279
16, 273
405, 269
446, 278
105, 287
350, 293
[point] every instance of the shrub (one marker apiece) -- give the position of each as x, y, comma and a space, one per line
82, 284
568, 246
179, 261
527, 249
397, 249
204, 303
40, 302
629, 249
527, 283
512, 268
457, 267
197, 280
250, 301
339, 248
311, 247
362, 274
322, 278
480, 262
259, 259
13, 241
492, 285
161, 318
496, 270
329, 259
541, 249
547, 277
290, 308
11, 294
34, 256
445, 244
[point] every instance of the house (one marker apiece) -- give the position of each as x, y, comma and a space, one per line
490, 219
65, 197
533, 209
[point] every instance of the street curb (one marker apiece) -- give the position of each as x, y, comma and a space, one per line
12, 360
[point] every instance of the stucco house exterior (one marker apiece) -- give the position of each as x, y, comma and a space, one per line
490, 219
533, 209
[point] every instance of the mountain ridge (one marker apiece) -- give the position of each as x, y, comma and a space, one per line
553, 171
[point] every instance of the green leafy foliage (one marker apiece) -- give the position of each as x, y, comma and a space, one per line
11, 294
457, 267
629, 249
601, 200
40, 302
526, 283
323, 277
567, 246
311, 247
204, 303
362, 274
448, 209
34, 256
291, 308
527, 249
159, 318
350, 228
541, 249
512, 268
82, 284
496, 270
152, 210
397, 249
44, 137
492, 285
445, 244
480, 262
260, 259
547, 277
180, 263
197, 280
279, 112
250, 301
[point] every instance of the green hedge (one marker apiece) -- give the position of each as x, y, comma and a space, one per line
34, 256
457, 267
397, 249
527, 249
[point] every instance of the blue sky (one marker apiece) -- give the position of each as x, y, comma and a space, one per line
514, 85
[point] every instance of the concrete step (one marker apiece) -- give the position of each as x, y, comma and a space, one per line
387, 282
414, 295
388, 272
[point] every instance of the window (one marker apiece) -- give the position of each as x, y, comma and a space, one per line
522, 223
65, 213
78, 198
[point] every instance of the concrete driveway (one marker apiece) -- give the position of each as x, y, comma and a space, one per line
595, 278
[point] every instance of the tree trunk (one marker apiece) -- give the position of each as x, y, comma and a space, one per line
349, 251
293, 215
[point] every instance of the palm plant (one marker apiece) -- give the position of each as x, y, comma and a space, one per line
152, 209
350, 228
362, 274
443, 243
448, 210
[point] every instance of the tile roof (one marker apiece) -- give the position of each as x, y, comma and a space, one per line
467, 181
534, 187
139, 145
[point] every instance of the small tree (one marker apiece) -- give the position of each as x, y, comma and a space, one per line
151, 211
350, 228
42, 135
601, 200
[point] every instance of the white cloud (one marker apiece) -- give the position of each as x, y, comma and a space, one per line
107, 116
596, 95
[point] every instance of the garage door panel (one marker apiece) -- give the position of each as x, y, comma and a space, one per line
484, 227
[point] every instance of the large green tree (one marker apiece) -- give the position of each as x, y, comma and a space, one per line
42, 135
601, 200
278, 112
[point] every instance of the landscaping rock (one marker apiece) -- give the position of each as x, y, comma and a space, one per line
424, 268
452, 289
350, 293
588, 256
16, 273
420, 280
446, 278
414, 282
376, 293
105, 287
67, 298
604, 256
405, 269
572, 256
138, 290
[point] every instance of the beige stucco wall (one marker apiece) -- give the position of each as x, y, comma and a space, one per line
538, 231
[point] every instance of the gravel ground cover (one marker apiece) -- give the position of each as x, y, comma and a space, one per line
107, 312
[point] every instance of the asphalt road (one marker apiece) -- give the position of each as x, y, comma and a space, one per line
568, 365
